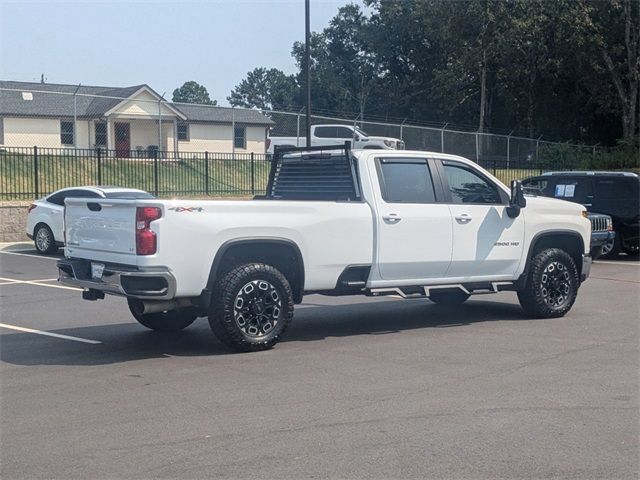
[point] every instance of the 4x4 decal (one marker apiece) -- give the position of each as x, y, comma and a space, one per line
186, 209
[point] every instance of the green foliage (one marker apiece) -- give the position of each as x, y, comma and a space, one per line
266, 90
565, 69
625, 156
192, 92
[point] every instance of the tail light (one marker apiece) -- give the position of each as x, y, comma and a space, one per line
31, 207
146, 241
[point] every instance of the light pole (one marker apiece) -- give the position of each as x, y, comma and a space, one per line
307, 66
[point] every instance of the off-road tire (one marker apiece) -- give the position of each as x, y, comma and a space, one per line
227, 310
169, 321
448, 298
43, 240
551, 286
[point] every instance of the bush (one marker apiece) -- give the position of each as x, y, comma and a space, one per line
624, 156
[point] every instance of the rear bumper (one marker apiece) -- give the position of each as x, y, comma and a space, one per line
145, 284
586, 267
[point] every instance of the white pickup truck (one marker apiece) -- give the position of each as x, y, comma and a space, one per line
334, 222
323, 135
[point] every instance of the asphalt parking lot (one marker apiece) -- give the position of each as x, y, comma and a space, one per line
359, 388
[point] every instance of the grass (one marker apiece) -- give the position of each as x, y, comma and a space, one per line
505, 175
184, 177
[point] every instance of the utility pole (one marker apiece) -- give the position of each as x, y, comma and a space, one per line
75, 117
307, 62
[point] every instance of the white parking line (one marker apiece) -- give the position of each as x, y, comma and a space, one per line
613, 262
24, 254
48, 334
13, 281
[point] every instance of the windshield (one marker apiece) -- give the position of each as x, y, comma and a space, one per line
132, 195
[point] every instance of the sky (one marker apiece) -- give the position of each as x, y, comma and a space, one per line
162, 44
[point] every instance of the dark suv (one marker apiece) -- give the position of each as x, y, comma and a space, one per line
613, 193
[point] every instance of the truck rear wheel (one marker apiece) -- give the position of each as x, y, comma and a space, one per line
169, 321
551, 286
251, 307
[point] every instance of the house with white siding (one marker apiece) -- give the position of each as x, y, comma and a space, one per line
131, 121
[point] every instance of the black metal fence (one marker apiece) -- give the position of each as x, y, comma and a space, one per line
27, 173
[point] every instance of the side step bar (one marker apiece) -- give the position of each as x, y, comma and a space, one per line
425, 291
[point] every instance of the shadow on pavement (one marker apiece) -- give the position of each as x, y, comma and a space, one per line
129, 341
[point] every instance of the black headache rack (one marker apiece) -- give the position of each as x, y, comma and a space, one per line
313, 173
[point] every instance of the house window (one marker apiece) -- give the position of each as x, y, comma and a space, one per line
66, 133
183, 131
101, 134
240, 137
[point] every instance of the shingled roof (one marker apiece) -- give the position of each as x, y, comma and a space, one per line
201, 113
56, 100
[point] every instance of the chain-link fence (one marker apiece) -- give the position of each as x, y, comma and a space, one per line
53, 136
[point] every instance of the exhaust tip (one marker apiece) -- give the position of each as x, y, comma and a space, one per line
137, 306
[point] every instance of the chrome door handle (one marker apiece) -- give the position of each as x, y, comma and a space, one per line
463, 218
392, 218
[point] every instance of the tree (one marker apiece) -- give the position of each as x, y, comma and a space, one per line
615, 29
567, 69
192, 92
267, 90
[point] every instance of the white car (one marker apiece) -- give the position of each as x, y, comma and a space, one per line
45, 225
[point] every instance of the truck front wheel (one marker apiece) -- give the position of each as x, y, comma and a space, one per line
251, 307
551, 286
169, 321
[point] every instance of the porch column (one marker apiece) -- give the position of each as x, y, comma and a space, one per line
175, 137
110, 135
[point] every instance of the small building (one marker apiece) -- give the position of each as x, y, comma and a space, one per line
131, 121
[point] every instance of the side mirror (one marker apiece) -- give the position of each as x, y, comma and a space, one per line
356, 138
517, 201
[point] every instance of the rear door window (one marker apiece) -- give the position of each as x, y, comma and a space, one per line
608, 188
406, 181
325, 132
616, 196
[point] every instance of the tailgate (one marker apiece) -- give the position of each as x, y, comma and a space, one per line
101, 229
